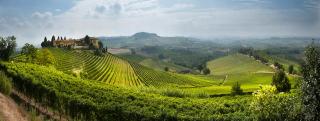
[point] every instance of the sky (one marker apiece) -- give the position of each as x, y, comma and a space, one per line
31, 20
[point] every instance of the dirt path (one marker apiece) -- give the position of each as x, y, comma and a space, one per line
10, 111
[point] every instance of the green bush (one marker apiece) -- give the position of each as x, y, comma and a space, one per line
5, 84
236, 89
268, 105
281, 81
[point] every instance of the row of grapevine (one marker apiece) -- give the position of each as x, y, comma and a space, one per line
94, 101
115, 70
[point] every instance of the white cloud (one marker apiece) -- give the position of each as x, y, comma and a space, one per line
125, 17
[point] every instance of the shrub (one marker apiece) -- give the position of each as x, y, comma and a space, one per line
236, 89
290, 69
206, 71
5, 84
281, 81
166, 69
268, 105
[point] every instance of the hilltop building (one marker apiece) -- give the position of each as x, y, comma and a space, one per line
77, 43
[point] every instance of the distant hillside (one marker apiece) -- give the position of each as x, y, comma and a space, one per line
142, 39
241, 68
153, 63
237, 63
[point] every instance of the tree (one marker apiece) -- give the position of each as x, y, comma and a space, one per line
53, 38
290, 69
281, 81
45, 43
166, 69
200, 68
100, 45
236, 89
30, 51
7, 47
311, 83
278, 65
98, 52
87, 39
206, 71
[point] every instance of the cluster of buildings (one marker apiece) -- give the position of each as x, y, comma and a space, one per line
83, 43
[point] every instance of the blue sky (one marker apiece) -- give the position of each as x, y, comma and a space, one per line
31, 20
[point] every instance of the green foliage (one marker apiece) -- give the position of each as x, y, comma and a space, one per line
98, 52
311, 83
278, 66
267, 105
87, 39
7, 47
236, 89
91, 100
45, 57
281, 81
206, 71
166, 68
30, 51
46, 43
5, 84
290, 69
200, 68
175, 93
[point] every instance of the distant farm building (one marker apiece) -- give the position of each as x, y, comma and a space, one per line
76, 43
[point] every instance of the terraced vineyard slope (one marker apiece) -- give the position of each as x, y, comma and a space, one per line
114, 70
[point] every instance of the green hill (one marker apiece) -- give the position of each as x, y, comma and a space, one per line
237, 63
114, 70
240, 68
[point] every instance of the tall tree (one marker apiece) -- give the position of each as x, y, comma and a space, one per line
30, 51
311, 83
281, 81
290, 69
53, 38
200, 68
45, 42
100, 45
87, 39
7, 47
206, 71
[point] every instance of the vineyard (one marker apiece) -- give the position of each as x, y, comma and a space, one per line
115, 70
90, 100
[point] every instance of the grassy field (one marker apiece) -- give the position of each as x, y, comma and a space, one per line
237, 63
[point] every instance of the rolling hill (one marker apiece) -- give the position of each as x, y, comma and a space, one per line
237, 63
240, 68
112, 69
